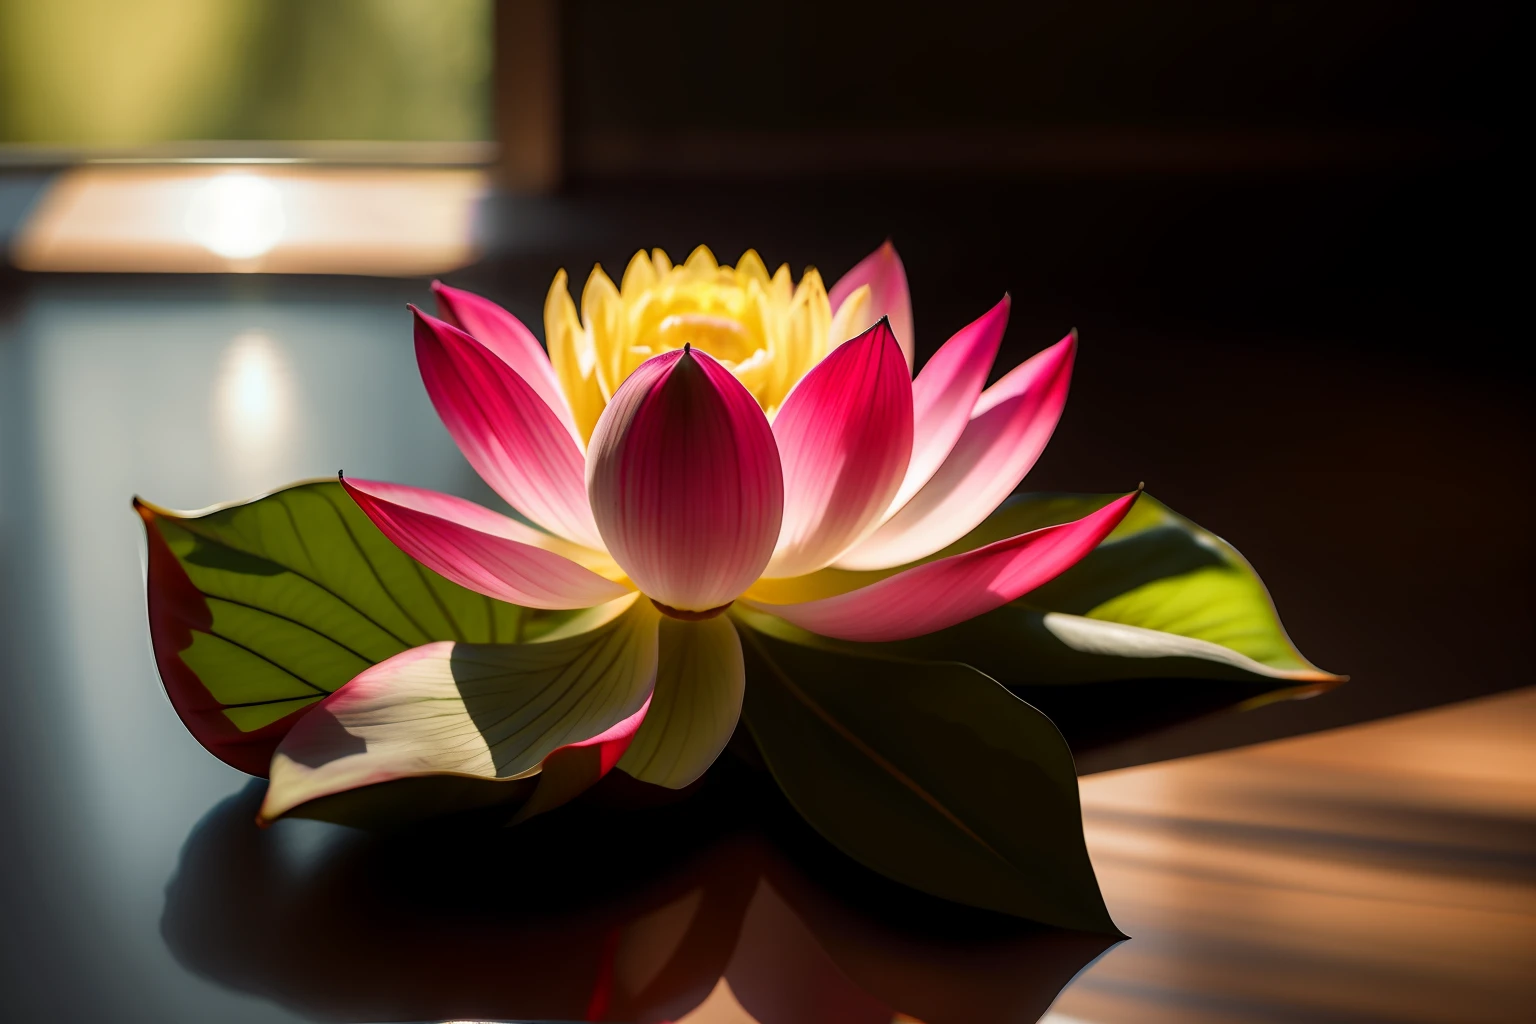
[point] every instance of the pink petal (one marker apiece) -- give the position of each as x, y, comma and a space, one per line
844, 435
938, 594
945, 392
684, 481
571, 770
888, 296
476, 548
514, 441
1007, 431
505, 335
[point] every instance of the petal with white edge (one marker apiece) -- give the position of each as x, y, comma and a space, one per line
844, 436
491, 711
513, 439
945, 393
1008, 429
505, 335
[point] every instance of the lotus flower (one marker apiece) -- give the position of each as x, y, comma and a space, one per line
704, 445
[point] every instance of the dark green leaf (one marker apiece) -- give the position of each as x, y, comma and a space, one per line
1162, 623
932, 774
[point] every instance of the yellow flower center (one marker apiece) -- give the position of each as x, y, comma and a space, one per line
720, 336
766, 330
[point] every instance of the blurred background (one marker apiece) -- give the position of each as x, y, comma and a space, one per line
1283, 230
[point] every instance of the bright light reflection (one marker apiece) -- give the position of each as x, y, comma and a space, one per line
195, 219
237, 216
253, 409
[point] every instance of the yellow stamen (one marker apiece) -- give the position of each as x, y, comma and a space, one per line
766, 330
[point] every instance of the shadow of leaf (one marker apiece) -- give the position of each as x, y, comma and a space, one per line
597, 912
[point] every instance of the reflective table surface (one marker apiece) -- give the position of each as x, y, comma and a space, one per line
1379, 872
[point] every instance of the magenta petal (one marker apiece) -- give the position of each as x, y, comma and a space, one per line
844, 435
887, 280
477, 548
945, 392
506, 431
938, 594
684, 481
1007, 431
505, 335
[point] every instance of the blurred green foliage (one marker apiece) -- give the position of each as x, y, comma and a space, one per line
135, 72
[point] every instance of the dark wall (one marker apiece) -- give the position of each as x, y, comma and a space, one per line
1253, 167
826, 66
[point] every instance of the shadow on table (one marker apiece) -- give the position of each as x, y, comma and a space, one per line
594, 913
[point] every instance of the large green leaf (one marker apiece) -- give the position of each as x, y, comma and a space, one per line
259, 609
932, 774
1165, 587
1161, 623
1157, 571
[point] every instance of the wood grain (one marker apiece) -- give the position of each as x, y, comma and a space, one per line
1382, 872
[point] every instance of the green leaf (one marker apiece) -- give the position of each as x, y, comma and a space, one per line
1158, 571
260, 609
1162, 623
931, 774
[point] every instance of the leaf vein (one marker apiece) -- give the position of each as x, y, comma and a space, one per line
874, 755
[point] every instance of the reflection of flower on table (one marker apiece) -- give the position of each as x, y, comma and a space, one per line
707, 914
